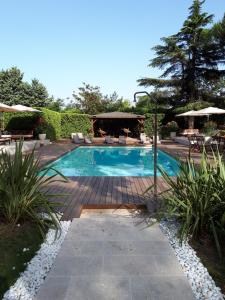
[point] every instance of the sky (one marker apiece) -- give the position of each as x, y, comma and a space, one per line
101, 42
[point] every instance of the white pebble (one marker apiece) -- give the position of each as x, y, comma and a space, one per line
202, 284
30, 280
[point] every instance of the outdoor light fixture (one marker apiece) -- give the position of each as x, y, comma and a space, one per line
155, 139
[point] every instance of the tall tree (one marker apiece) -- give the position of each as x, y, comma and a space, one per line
55, 104
13, 90
189, 58
11, 86
88, 99
35, 94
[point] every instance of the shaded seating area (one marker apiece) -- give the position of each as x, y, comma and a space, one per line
198, 143
116, 124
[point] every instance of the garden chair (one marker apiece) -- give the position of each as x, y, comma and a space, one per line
218, 143
196, 143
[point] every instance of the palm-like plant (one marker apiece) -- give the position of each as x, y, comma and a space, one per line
24, 193
197, 198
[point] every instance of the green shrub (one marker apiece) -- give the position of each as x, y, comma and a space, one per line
49, 123
197, 198
24, 192
20, 121
149, 123
209, 128
169, 127
71, 122
172, 126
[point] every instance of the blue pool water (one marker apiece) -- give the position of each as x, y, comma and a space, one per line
113, 161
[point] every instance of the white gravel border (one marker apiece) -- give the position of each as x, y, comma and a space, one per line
27, 284
30, 280
202, 284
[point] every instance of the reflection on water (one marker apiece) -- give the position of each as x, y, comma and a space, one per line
113, 161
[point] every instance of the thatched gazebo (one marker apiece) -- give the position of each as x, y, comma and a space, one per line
114, 123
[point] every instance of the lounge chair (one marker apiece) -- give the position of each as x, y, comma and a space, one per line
73, 134
109, 140
122, 139
87, 140
78, 138
144, 139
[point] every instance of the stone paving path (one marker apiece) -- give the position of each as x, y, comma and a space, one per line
115, 257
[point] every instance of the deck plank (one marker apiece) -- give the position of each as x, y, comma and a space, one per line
98, 191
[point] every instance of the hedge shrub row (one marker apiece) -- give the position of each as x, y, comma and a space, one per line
20, 121
57, 125
71, 122
54, 124
50, 123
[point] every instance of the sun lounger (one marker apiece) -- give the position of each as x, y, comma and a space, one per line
87, 140
109, 140
122, 139
78, 138
144, 139
73, 135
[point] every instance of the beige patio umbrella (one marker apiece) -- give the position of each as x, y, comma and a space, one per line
211, 111
5, 108
191, 114
23, 108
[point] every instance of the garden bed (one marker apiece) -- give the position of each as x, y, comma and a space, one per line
208, 254
17, 247
36, 269
202, 284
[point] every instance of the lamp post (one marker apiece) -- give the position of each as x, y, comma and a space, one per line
155, 139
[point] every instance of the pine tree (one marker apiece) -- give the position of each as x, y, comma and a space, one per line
191, 58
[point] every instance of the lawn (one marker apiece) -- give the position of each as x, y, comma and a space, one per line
17, 247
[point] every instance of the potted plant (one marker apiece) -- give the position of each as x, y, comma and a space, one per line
172, 129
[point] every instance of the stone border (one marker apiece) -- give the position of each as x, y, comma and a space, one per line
201, 282
26, 286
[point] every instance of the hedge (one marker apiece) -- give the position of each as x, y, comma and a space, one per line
20, 121
57, 125
47, 121
149, 123
50, 124
71, 122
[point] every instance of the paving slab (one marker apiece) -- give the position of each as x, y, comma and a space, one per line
110, 257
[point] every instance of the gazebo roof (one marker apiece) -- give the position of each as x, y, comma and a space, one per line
117, 115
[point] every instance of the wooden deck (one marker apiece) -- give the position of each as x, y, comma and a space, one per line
101, 192
98, 192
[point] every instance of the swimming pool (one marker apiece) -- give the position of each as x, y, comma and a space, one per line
113, 161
